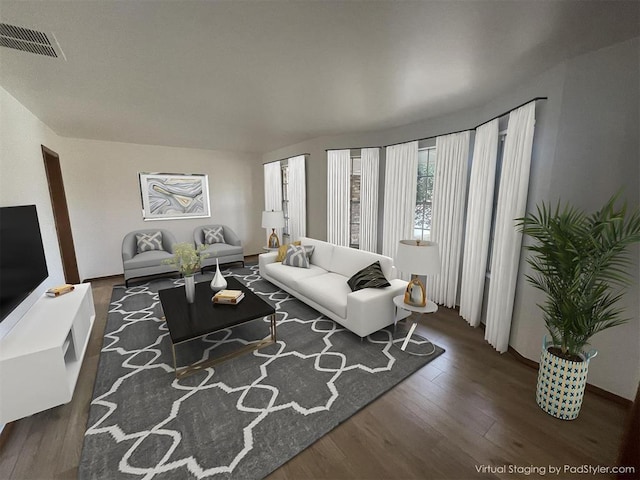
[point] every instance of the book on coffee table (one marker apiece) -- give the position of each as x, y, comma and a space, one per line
231, 297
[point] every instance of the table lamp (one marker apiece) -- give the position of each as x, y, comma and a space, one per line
417, 257
273, 219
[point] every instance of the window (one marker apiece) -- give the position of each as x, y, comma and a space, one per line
285, 202
501, 138
354, 203
424, 193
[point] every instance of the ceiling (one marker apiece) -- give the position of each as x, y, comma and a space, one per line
253, 76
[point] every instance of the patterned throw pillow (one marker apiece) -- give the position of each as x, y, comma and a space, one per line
149, 241
282, 251
213, 235
296, 256
368, 277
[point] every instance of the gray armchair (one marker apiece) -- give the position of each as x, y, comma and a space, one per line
142, 264
228, 252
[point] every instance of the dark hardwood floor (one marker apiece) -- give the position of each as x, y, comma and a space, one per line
469, 408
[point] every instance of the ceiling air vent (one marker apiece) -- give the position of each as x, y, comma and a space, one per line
27, 40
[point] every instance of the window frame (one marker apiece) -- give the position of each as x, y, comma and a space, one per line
422, 233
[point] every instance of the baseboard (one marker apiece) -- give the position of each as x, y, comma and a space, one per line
590, 388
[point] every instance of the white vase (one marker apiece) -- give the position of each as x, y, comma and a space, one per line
190, 288
218, 282
561, 383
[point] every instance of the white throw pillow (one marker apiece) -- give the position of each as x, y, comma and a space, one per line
297, 256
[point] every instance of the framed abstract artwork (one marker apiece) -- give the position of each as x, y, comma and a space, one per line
167, 196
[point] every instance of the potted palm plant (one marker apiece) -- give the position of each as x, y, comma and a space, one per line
187, 259
581, 263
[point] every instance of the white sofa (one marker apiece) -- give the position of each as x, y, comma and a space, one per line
324, 287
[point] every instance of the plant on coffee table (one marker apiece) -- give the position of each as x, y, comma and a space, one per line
186, 258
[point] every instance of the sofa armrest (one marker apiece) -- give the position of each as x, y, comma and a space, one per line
370, 309
265, 259
128, 247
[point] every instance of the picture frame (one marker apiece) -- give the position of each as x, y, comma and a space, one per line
170, 196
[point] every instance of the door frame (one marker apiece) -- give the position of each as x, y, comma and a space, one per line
61, 215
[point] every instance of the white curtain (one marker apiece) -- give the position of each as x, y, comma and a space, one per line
401, 175
272, 192
507, 241
449, 193
338, 188
297, 194
478, 229
369, 164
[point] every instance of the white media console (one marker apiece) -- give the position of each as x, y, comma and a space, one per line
40, 358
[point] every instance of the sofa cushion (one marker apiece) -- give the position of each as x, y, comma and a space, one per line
282, 250
322, 253
147, 242
291, 275
221, 249
213, 235
329, 290
368, 277
297, 256
347, 261
152, 258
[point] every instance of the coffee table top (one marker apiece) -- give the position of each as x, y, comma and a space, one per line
187, 321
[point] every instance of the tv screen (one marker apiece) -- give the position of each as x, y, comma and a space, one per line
23, 265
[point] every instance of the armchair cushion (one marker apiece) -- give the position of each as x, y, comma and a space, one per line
147, 242
213, 235
151, 258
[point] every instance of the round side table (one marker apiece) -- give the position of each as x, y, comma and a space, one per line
430, 307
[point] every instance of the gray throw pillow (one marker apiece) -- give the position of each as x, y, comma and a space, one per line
297, 256
149, 241
368, 277
213, 235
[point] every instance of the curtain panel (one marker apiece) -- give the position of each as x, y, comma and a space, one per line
478, 226
449, 194
272, 192
401, 174
369, 164
507, 241
297, 194
338, 197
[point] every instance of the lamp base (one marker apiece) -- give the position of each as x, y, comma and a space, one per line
415, 293
274, 242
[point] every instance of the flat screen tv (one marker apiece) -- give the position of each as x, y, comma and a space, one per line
23, 266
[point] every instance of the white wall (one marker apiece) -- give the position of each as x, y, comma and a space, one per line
103, 194
585, 148
596, 153
23, 181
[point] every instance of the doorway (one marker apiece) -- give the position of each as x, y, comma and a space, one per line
61, 215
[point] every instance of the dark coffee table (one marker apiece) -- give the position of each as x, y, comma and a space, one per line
191, 321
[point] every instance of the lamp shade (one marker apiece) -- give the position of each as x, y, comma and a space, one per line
418, 257
272, 219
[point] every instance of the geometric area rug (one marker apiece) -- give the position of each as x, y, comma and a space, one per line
242, 418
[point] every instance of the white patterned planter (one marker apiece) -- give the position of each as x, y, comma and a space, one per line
561, 383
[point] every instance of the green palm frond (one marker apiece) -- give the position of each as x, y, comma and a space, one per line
581, 262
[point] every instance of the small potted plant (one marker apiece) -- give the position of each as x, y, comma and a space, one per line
581, 263
186, 258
